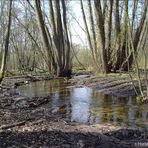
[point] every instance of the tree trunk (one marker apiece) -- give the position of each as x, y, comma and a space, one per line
120, 40
108, 31
87, 31
4, 58
94, 49
42, 29
100, 25
136, 38
60, 38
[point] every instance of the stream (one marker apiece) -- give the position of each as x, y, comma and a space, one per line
87, 106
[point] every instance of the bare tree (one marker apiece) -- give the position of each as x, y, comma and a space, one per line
109, 38
42, 28
5, 53
56, 42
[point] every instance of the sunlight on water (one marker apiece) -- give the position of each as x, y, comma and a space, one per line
87, 106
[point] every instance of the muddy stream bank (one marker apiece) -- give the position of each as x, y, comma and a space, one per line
54, 113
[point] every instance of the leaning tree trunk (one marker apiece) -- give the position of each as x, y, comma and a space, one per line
123, 59
139, 30
4, 58
87, 30
42, 29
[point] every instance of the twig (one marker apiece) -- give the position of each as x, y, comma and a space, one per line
4, 127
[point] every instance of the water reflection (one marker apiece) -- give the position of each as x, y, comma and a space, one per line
81, 101
87, 106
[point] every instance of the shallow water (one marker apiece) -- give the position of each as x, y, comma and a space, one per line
87, 106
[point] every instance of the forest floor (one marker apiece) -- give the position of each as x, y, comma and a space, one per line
30, 123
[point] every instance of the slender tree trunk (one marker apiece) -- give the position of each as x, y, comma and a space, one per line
87, 31
68, 46
136, 38
120, 40
134, 14
42, 29
117, 18
94, 49
123, 49
100, 25
60, 37
108, 31
4, 58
